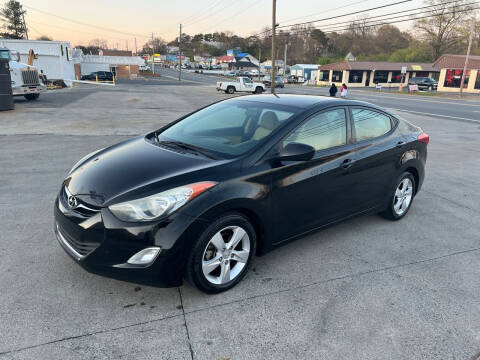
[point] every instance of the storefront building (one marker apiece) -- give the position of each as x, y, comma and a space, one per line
373, 73
451, 70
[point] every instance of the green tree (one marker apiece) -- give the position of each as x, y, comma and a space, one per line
417, 51
12, 18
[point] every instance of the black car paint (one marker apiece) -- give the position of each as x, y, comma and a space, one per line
336, 184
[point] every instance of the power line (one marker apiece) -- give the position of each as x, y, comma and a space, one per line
209, 15
200, 13
70, 29
252, 5
323, 12
409, 12
85, 24
337, 16
307, 31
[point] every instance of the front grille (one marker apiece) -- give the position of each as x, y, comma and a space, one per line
30, 77
82, 209
81, 246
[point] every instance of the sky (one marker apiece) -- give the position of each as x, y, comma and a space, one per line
121, 21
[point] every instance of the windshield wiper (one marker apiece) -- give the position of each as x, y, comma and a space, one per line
184, 146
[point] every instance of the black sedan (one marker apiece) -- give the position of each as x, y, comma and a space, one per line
424, 83
100, 75
201, 196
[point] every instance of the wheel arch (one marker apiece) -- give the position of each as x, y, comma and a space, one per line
246, 208
412, 170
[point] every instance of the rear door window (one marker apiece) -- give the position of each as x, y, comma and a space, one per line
325, 130
369, 124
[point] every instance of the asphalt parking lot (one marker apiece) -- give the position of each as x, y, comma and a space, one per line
365, 289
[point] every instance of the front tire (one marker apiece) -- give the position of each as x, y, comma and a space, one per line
32, 97
220, 257
400, 200
258, 90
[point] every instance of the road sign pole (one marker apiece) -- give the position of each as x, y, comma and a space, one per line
272, 80
180, 54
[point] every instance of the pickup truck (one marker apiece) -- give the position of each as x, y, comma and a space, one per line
243, 84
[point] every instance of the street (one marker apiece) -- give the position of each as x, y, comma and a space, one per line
421, 105
367, 288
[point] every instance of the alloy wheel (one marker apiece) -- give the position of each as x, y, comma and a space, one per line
226, 255
403, 196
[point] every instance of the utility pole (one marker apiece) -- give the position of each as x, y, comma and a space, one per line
259, 60
153, 58
180, 54
136, 53
274, 10
25, 26
470, 40
285, 61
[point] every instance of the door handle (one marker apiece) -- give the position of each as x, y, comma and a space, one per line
347, 163
401, 144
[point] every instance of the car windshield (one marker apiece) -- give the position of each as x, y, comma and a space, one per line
228, 129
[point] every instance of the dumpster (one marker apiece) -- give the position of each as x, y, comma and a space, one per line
6, 98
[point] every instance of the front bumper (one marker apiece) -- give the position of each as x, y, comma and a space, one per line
102, 244
26, 89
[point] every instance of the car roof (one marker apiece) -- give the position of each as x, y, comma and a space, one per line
304, 101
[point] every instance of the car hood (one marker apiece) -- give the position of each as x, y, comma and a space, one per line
132, 168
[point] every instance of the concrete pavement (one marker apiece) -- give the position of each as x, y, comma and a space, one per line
365, 289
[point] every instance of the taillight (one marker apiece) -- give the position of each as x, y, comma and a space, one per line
424, 138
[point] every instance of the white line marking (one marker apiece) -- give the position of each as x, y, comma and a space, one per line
430, 114
409, 97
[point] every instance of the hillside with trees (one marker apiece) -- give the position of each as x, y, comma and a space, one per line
368, 39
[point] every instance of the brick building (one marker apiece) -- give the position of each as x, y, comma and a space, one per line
451, 70
370, 73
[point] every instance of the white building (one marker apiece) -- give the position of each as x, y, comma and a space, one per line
54, 57
121, 66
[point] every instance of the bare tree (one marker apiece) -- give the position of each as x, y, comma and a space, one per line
98, 43
443, 29
155, 46
44, 38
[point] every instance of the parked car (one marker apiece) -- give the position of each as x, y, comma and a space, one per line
292, 79
231, 73
424, 83
201, 196
243, 84
144, 68
102, 76
267, 80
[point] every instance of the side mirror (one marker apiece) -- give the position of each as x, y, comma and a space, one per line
296, 152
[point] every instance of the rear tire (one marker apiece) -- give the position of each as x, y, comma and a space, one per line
430, 88
32, 97
258, 90
230, 90
401, 198
221, 256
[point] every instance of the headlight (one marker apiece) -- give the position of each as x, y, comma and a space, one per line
154, 206
84, 158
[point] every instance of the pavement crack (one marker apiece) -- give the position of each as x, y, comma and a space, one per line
185, 323
451, 201
343, 277
184, 313
88, 334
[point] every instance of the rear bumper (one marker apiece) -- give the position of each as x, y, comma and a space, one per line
102, 244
